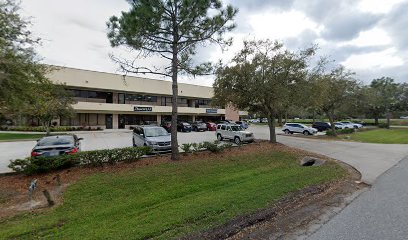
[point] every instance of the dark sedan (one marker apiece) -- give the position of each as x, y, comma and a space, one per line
184, 127
321, 126
57, 145
199, 126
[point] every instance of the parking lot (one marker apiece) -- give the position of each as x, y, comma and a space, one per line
111, 139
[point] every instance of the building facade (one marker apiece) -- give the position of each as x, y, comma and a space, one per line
114, 101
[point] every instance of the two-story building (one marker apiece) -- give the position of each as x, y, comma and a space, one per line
115, 101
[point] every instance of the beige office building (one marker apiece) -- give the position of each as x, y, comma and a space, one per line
108, 100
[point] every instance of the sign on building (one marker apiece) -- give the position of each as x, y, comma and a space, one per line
211, 110
142, 109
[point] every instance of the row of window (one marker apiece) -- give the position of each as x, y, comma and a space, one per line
125, 98
89, 94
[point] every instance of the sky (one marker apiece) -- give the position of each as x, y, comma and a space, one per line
369, 37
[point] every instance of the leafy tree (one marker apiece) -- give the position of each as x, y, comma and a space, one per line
383, 96
18, 61
172, 30
330, 91
261, 78
47, 102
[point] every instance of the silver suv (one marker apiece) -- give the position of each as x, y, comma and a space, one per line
290, 128
233, 132
155, 137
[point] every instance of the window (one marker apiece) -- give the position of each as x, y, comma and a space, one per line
223, 127
88, 94
202, 102
219, 127
121, 98
140, 98
92, 94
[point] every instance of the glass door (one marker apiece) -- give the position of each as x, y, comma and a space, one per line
109, 121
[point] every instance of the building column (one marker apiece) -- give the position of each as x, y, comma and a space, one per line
115, 121
159, 119
194, 118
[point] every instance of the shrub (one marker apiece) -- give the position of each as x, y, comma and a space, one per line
340, 131
227, 145
197, 147
95, 158
382, 125
213, 147
186, 147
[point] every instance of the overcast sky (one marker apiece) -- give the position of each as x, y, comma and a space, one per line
370, 37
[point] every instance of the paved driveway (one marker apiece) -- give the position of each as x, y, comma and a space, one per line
370, 159
380, 213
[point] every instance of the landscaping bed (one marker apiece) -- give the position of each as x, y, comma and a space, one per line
159, 198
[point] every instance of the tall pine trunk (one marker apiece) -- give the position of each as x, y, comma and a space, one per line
174, 72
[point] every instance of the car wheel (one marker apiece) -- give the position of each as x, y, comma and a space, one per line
219, 137
287, 131
306, 133
237, 140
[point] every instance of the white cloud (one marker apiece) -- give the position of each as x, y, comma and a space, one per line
377, 6
74, 32
372, 37
383, 59
280, 25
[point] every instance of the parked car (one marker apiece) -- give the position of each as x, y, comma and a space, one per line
57, 145
233, 132
184, 127
290, 128
339, 125
355, 125
155, 137
199, 126
321, 126
211, 126
244, 125
404, 117
167, 126
253, 120
224, 122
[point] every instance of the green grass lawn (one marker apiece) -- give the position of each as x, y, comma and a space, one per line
169, 199
396, 135
19, 136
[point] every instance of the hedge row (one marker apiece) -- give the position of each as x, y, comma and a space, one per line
214, 147
52, 129
95, 158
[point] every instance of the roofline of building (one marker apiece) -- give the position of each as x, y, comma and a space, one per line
131, 76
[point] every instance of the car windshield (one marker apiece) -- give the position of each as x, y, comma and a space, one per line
52, 141
236, 128
155, 132
186, 124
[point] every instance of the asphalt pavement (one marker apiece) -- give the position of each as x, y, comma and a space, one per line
379, 213
370, 159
